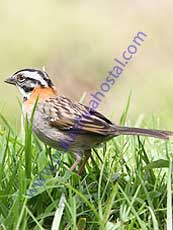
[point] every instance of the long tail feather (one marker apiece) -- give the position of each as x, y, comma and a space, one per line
143, 132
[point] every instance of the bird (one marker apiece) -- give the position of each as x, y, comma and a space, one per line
65, 124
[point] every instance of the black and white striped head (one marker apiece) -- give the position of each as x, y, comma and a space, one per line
27, 80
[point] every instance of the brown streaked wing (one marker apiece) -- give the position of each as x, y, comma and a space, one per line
75, 117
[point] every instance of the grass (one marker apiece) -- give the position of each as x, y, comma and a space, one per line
126, 184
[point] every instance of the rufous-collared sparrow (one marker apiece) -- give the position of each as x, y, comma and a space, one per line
65, 124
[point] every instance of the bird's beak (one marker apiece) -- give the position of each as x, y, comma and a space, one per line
10, 81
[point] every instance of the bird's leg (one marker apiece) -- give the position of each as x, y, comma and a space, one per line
87, 156
78, 160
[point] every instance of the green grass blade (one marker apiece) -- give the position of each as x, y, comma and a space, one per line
28, 141
33, 217
81, 196
124, 114
58, 213
28, 149
109, 204
155, 223
169, 199
141, 223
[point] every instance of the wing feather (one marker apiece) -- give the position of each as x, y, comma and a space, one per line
66, 115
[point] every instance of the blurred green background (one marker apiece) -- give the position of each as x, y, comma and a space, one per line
77, 41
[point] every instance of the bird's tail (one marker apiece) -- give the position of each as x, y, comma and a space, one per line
143, 132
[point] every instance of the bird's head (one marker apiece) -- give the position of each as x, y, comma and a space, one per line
27, 80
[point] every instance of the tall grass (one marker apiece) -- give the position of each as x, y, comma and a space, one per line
126, 184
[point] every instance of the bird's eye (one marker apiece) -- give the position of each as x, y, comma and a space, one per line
20, 78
